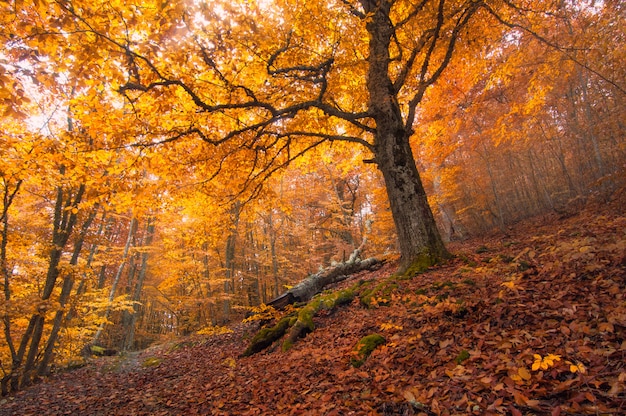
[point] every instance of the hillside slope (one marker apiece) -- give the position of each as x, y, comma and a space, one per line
533, 322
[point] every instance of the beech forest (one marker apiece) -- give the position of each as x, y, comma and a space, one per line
313, 207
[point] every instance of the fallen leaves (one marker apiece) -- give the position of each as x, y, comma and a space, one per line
459, 343
544, 363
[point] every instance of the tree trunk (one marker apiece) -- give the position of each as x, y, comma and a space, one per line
132, 228
418, 237
68, 283
229, 261
63, 225
8, 198
315, 283
130, 318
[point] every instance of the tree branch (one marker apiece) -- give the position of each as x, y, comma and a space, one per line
427, 81
553, 45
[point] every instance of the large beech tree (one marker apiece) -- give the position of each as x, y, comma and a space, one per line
265, 82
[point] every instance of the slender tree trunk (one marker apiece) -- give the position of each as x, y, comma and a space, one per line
8, 197
207, 279
65, 215
83, 281
494, 189
68, 283
136, 294
271, 235
229, 261
131, 232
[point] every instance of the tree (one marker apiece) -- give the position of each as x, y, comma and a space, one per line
224, 77
183, 111
262, 85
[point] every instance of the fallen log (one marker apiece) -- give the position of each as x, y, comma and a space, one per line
315, 283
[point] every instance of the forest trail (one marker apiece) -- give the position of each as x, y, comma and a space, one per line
529, 323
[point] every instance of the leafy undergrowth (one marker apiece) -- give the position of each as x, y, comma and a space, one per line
532, 323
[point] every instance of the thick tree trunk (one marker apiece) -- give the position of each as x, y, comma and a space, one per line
418, 237
419, 240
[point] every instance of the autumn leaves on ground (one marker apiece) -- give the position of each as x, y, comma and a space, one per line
531, 322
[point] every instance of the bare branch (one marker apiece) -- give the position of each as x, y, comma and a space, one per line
408, 66
426, 81
353, 10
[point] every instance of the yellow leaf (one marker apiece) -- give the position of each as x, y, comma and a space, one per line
389, 326
523, 373
578, 367
230, 362
545, 362
510, 284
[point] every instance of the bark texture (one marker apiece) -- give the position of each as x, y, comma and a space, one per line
418, 237
315, 283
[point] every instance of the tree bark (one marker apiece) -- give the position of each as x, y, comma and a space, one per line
418, 237
229, 261
315, 283
131, 317
65, 216
8, 197
132, 228
68, 283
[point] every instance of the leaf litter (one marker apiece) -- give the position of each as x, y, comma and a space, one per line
528, 323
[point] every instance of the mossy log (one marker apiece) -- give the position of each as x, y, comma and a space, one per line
315, 283
266, 336
364, 348
304, 323
297, 325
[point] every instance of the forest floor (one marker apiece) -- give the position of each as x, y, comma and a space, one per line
532, 322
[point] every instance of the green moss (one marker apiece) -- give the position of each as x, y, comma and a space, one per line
441, 285
151, 362
418, 266
182, 345
463, 355
364, 348
469, 282
344, 297
305, 315
304, 322
505, 258
467, 261
482, 249
266, 336
287, 345
442, 296
300, 322
101, 351
381, 292
97, 350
